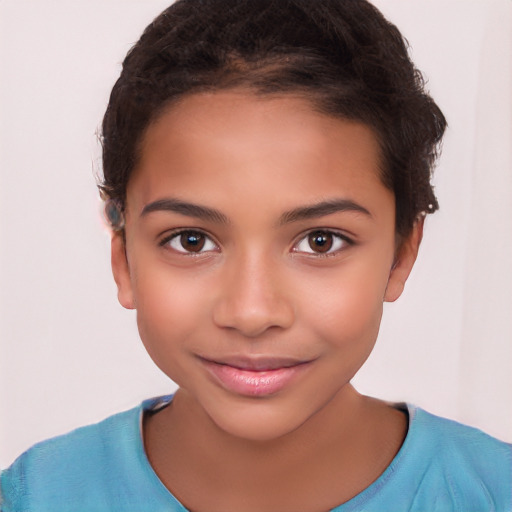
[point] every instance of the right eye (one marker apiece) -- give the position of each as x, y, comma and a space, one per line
189, 242
322, 242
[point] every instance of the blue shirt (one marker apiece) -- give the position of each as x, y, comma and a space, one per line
442, 466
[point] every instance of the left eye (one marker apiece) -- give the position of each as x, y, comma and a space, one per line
321, 242
190, 242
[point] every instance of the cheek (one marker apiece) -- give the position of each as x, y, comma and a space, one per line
170, 311
347, 308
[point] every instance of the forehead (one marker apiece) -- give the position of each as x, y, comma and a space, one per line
230, 144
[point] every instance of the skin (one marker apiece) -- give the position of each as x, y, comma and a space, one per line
261, 287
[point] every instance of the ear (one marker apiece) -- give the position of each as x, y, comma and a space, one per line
121, 272
404, 261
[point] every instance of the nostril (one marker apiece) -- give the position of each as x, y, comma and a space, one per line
253, 320
252, 296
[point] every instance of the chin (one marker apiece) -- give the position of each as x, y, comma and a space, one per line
259, 423
258, 432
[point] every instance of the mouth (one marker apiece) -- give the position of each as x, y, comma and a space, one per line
255, 377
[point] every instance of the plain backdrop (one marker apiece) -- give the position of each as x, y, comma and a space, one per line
70, 355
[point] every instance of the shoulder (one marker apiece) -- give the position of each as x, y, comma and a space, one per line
442, 466
463, 465
450, 441
86, 465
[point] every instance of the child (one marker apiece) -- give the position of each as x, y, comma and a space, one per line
266, 176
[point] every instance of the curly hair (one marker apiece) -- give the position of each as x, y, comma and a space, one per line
342, 55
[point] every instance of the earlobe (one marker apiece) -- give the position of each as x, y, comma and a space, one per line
404, 261
121, 272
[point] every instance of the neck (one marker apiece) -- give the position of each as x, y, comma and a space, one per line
351, 440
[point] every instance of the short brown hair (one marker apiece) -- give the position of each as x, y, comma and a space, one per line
343, 55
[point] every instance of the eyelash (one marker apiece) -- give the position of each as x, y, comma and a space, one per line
337, 240
167, 241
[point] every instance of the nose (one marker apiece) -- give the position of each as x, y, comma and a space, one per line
254, 298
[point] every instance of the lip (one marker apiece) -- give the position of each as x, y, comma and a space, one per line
255, 377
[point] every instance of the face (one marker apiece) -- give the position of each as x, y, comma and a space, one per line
260, 246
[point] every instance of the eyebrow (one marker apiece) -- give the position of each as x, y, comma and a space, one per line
320, 209
185, 208
211, 214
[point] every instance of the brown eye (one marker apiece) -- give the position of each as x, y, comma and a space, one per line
192, 242
320, 241
188, 242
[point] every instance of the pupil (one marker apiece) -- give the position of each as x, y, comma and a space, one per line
192, 242
320, 241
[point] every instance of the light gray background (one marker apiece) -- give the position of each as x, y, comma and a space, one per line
70, 355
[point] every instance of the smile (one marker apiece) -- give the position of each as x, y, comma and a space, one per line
256, 377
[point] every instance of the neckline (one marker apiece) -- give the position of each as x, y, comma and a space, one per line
355, 503
154, 405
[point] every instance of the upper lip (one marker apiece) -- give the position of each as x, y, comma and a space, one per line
257, 363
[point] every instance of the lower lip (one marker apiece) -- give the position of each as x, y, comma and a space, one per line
251, 382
